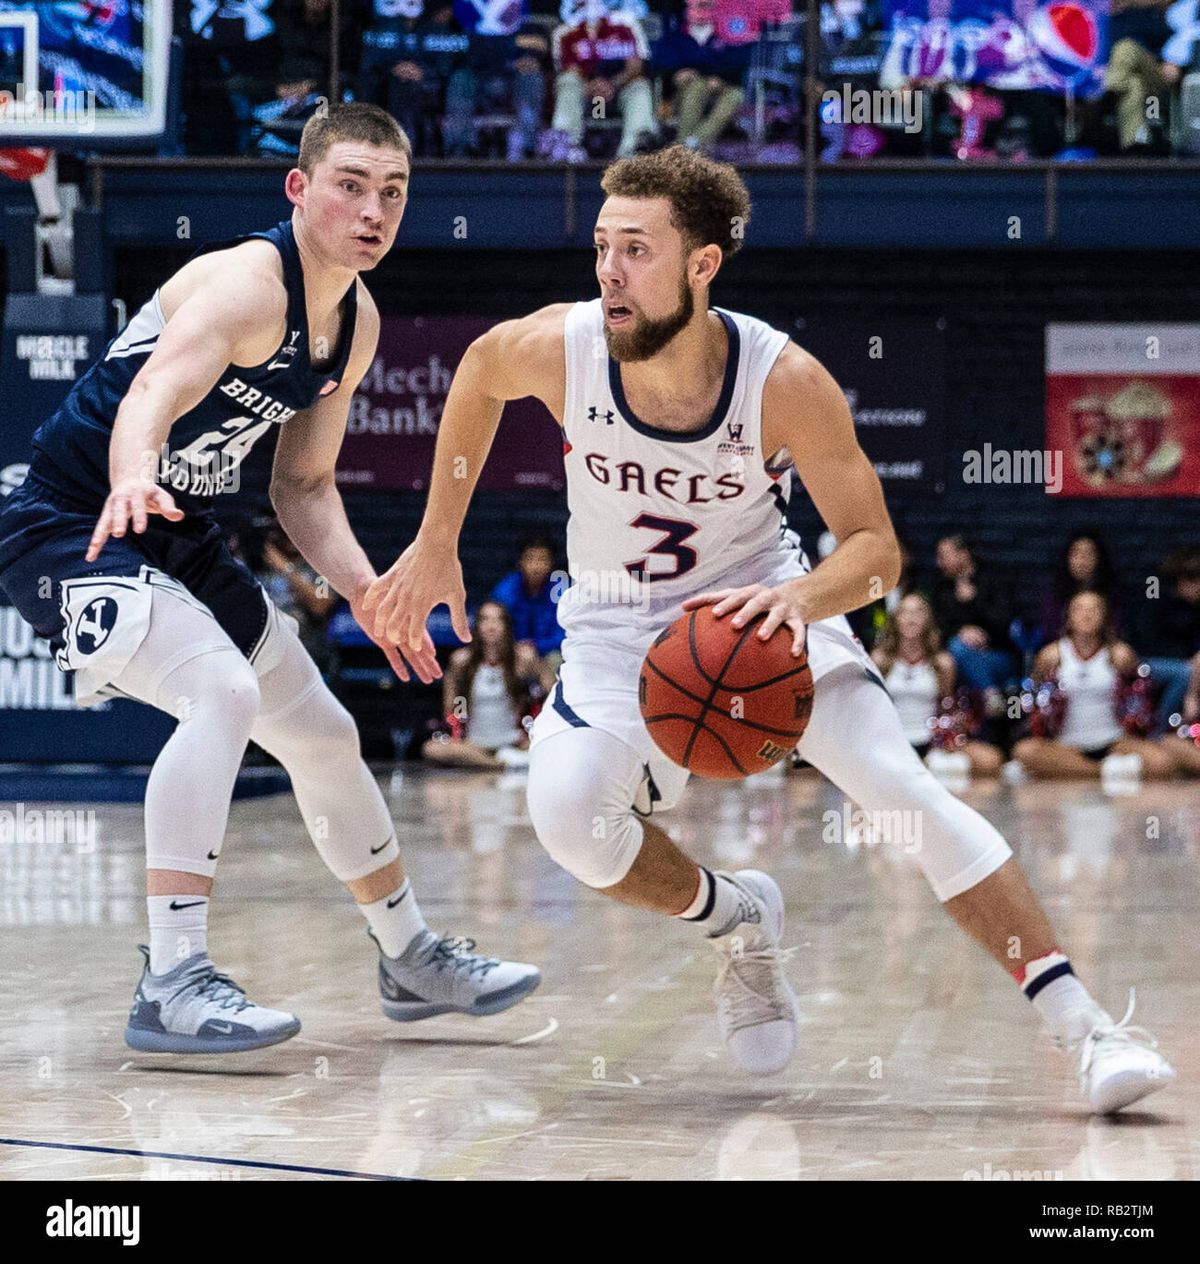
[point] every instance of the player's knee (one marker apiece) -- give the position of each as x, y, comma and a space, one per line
239, 696
222, 684
338, 732
593, 841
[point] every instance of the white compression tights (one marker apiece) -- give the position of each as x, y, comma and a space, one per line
854, 737
188, 667
582, 781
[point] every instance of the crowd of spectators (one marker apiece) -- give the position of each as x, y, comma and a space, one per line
1074, 675
1067, 682
568, 80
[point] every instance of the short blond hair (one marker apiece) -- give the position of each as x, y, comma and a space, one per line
354, 120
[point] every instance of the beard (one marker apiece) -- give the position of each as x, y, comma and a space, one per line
648, 337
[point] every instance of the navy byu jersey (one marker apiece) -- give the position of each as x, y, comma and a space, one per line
209, 442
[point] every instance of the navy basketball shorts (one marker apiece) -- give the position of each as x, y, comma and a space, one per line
95, 614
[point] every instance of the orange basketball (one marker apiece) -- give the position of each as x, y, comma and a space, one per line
721, 702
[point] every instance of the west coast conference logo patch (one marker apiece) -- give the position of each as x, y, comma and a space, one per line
733, 445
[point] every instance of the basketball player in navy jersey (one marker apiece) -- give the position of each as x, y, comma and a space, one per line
681, 424
272, 329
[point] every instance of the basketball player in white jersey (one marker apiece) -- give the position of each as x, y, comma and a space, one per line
272, 329
681, 424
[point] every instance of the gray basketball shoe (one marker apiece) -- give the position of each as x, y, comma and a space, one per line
445, 975
193, 1009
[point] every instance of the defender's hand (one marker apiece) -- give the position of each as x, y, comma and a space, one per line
778, 604
423, 661
398, 603
133, 499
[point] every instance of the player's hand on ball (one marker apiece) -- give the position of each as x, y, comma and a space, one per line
133, 499
778, 604
398, 603
423, 660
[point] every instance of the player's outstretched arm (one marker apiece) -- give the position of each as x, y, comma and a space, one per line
805, 412
221, 322
512, 360
310, 507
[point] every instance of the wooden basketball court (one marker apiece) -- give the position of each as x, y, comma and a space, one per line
918, 1057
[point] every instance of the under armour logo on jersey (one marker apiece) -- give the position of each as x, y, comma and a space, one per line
594, 415
95, 624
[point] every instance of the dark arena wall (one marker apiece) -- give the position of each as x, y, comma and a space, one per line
995, 306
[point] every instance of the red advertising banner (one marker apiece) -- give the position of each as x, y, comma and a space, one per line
1123, 405
395, 413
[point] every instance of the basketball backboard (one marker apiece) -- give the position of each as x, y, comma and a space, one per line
83, 72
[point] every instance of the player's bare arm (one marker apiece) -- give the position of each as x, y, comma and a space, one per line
310, 507
512, 360
214, 318
804, 411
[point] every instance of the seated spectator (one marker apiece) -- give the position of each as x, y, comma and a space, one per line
1138, 74
488, 689
287, 79
973, 614
406, 65
1084, 564
601, 62
1086, 664
1170, 630
920, 676
503, 74
297, 590
870, 621
528, 594
1184, 747
224, 50
705, 74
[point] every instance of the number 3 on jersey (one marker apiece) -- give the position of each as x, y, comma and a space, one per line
670, 545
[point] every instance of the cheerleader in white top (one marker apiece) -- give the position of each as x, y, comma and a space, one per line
1183, 745
485, 693
920, 676
1088, 664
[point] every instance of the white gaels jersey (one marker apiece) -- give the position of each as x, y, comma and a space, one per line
657, 517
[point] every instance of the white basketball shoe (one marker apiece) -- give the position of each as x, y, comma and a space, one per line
756, 1007
1119, 1064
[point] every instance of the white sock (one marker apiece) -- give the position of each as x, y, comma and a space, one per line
395, 920
718, 906
1065, 1005
178, 929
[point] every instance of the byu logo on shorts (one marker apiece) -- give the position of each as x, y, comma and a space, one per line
95, 624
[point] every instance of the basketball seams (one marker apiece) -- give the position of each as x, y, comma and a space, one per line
775, 680
696, 698
737, 740
788, 734
716, 684
700, 727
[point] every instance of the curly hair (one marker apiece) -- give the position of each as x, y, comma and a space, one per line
353, 120
709, 202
